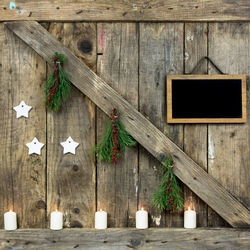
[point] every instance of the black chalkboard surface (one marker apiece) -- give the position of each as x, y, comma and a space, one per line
206, 98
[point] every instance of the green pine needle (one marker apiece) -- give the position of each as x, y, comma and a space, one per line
104, 149
63, 88
161, 200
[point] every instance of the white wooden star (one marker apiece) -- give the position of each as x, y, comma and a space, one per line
22, 110
69, 146
35, 147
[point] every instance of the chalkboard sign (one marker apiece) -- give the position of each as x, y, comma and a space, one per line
206, 98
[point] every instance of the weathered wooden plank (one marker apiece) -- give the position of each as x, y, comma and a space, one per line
161, 53
228, 145
6, 197
195, 135
204, 185
118, 64
137, 10
118, 238
22, 176
71, 178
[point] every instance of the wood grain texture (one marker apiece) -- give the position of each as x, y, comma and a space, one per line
204, 185
6, 197
117, 185
71, 178
161, 53
113, 239
229, 144
170, 118
195, 135
137, 10
22, 178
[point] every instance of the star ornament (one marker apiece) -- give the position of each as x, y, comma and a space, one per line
22, 110
35, 147
69, 146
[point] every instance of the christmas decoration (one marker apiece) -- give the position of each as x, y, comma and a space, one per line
69, 146
57, 86
114, 141
168, 196
35, 147
22, 110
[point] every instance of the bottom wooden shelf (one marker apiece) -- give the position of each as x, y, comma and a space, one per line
126, 238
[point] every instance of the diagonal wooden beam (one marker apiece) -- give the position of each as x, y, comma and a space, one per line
151, 138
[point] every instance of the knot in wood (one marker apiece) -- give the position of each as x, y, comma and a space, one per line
161, 156
134, 243
85, 46
40, 204
75, 168
76, 210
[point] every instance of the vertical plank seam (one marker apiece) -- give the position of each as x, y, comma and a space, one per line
47, 167
12, 122
184, 47
184, 125
184, 72
165, 73
139, 109
46, 157
46, 152
96, 186
207, 124
128, 194
119, 82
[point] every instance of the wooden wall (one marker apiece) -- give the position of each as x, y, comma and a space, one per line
135, 59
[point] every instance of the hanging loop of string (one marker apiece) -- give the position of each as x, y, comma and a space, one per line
199, 63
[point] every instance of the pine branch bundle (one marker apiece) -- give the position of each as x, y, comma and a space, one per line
57, 86
114, 140
168, 196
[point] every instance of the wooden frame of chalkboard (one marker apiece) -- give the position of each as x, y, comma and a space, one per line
206, 98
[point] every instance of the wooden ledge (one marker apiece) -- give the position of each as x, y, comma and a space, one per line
126, 238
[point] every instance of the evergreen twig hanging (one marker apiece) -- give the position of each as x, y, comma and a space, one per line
168, 196
114, 140
57, 86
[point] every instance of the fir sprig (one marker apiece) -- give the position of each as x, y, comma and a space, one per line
57, 86
114, 140
168, 195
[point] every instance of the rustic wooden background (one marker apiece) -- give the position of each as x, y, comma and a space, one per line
135, 59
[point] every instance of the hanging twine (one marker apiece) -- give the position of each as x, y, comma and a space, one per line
209, 60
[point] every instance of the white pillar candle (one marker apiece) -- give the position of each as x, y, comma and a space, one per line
141, 219
10, 222
189, 218
56, 220
100, 219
